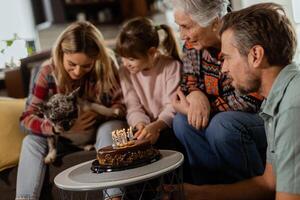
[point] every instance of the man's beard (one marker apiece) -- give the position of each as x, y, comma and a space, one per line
253, 85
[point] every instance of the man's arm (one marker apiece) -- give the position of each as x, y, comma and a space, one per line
257, 188
287, 196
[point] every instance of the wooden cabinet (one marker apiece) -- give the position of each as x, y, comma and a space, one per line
13, 83
96, 11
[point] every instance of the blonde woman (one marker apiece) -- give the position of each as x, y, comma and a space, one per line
79, 59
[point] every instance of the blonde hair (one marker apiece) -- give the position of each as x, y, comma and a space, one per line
84, 37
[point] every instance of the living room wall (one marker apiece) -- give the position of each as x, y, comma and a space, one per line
15, 18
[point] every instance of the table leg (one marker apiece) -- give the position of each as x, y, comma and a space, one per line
152, 189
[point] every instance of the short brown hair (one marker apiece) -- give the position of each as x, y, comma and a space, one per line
264, 24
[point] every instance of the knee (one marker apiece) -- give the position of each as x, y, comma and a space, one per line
34, 143
227, 121
31, 140
180, 124
223, 127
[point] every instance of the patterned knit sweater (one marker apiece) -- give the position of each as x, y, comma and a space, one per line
202, 71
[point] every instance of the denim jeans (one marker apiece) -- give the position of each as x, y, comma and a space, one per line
231, 148
31, 169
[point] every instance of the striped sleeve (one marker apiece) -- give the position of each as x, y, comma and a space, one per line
43, 85
191, 70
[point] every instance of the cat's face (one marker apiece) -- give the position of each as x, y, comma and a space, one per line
61, 110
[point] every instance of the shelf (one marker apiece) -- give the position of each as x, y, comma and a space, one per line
98, 12
92, 2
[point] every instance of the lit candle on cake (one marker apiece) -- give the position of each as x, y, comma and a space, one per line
122, 138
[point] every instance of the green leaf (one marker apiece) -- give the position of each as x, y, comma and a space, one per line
9, 42
29, 50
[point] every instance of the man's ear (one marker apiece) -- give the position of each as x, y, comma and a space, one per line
256, 55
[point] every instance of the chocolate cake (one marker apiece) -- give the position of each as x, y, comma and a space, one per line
135, 153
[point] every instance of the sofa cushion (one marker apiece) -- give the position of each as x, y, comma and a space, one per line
10, 134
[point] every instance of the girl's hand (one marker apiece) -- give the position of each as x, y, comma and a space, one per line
152, 131
199, 110
140, 126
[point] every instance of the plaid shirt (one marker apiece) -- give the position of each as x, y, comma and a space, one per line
202, 71
43, 87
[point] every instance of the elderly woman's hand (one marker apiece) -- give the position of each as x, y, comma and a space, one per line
199, 110
180, 102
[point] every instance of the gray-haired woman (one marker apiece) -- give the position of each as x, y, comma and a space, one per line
223, 136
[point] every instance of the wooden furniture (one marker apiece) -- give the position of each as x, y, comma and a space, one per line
17, 80
13, 83
96, 11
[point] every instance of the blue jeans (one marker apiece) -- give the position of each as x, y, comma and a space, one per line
230, 149
31, 169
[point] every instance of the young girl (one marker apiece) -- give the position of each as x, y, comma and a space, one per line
79, 59
150, 74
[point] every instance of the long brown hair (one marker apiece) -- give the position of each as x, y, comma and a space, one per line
140, 34
84, 37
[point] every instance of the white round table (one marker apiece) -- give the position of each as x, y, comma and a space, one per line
81, 178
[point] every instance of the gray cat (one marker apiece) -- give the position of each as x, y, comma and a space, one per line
62, 110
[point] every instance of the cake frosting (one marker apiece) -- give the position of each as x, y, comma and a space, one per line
125, 151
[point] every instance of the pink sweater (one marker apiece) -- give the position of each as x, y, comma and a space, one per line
147, 94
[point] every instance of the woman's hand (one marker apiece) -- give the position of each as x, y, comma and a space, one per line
199, 110
180, 102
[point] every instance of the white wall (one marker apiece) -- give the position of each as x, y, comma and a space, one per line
289, 7
16, 16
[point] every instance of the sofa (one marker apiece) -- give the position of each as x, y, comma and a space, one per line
11, 139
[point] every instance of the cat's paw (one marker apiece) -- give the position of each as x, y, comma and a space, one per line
88, 147
51, 156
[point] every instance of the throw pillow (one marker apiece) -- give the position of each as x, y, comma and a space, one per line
10, 134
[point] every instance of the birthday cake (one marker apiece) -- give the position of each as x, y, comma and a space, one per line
125, 152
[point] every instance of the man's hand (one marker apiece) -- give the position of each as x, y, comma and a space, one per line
180, 102
199, 109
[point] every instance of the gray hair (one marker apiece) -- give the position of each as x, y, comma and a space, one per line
203, 11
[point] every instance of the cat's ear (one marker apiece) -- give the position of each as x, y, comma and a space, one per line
74, 93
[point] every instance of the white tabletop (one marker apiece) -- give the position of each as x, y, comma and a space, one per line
81, 178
